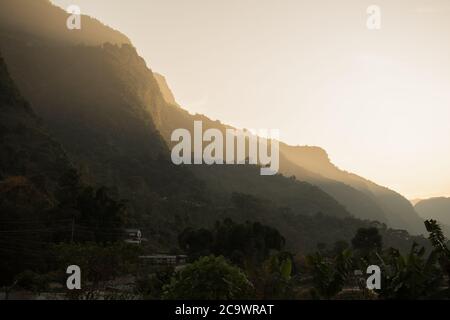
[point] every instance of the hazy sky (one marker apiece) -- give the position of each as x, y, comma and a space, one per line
377, 101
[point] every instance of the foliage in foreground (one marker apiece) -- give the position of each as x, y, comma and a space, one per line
209, 278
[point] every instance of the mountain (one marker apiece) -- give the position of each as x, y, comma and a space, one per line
41, 194
435, 208
29, 156
165, 89
397, 210
102, 103
31, 165
361, 197
415, 201
88, 156
41, 18
93, 101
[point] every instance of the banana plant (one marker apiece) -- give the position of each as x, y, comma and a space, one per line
330, 275
413, 276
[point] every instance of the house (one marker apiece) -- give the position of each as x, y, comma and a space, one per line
133, 236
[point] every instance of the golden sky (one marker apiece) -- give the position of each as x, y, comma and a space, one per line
377, 101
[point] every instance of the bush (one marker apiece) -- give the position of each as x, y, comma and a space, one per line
209, 278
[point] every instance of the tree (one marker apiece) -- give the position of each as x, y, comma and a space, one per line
209, 278
32, 281
274, 278
330, 275
413, 276
196, 243
339, 246
367, 240
246, 244
439, 243
150, 286
437, 237
98, 262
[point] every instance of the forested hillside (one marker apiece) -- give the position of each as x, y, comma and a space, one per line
106, 107
85, 153
101, 103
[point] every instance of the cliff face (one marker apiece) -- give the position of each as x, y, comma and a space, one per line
165, 90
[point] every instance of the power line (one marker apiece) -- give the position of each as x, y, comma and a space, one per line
31, 221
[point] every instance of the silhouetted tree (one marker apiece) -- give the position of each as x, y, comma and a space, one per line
367, 240
209, 278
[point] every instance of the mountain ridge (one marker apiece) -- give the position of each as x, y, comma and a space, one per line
437, 208
20, 16
101, 102
363, 198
